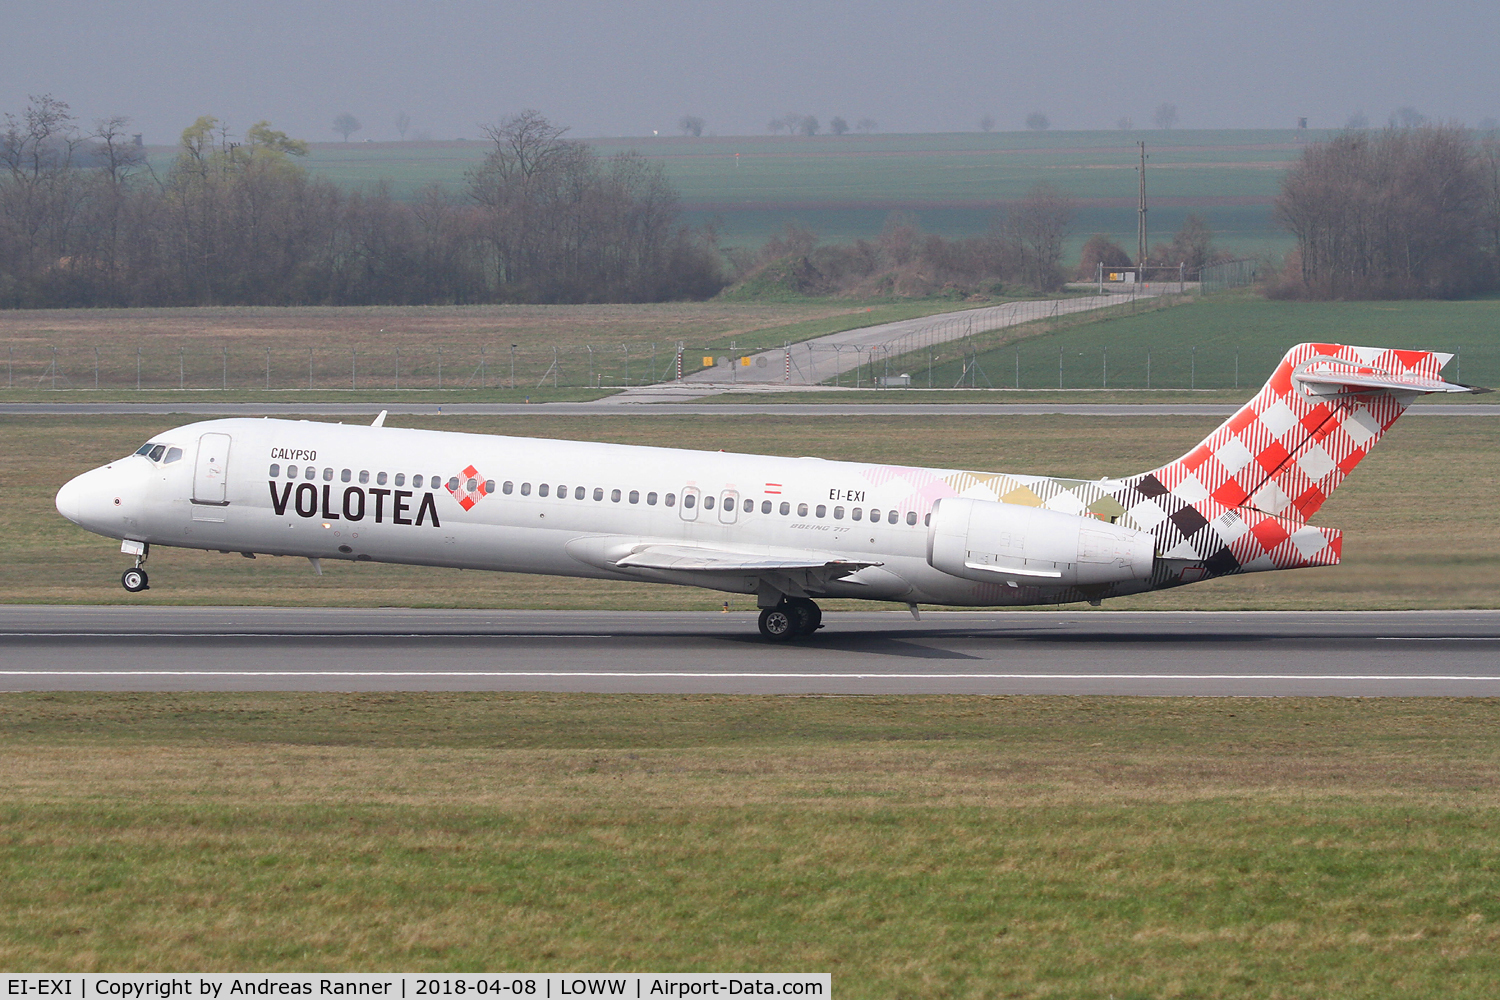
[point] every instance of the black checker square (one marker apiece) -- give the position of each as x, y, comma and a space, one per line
1150, 487
1188, 521
1222, 562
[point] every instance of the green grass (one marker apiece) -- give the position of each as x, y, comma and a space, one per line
936, 847
1418, 518
1196, 343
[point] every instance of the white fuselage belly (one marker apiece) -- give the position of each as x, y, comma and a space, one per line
341, 518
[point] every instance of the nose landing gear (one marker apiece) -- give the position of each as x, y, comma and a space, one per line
134, 579
794, 617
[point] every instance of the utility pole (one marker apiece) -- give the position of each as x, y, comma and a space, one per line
1140, 258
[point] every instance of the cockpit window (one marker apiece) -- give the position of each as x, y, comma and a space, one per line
145, 449
157, 452
173, 455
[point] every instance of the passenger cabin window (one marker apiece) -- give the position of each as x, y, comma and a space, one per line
874, 516
291, 472
400, 479
786, 508
509, 485
635, 496
708, 502
854, 514
749, 506
309, 473
927, 520
802, 510
327, 475
472, 485
275, 471
526, 489
579, 492
822, 511
894, 517
687, 501
416, 482
614, 496
838, 513
346, 475
765, 506
650, 499
364, 476
380, 479
541, 490
453, 484
489, 485
911, 517
598, 494
670, 499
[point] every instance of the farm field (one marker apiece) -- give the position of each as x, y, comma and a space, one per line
844, 187
1417, 515
945, 847
1228, 342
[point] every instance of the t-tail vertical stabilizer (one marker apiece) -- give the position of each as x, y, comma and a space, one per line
1239, 501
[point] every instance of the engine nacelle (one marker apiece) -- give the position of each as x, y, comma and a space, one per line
1002, 542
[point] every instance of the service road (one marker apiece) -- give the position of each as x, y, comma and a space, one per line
1351, 654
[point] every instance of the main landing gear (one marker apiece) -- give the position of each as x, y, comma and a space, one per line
794, 617
134, 579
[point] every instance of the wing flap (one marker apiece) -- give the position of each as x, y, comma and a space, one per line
694, 558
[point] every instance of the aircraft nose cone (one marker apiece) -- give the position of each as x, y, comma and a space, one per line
70, 499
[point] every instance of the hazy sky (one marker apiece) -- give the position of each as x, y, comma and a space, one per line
629, 68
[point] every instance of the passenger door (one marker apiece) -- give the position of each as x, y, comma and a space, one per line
211, 472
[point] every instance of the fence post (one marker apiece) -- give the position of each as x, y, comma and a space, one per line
54, 369
398, 369
1106, 368
96, 368
353, 353
625, 349
10, 367
440, 368
309, 367
137, 369
181, 369
483, 366
1193, 369
554, 368
1059, 367
268, 369
1148, 368
1018, 368
224, 384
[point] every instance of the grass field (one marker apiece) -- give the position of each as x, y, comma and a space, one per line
1417, 515
844, 186
1198, 343
465, 347
933, 847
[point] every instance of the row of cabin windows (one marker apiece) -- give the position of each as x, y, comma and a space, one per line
582, 492
689, 500
399, 479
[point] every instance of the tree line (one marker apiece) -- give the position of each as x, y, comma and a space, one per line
1410, 211
85, 221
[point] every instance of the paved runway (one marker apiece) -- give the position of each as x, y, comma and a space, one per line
1362, 654
604, 407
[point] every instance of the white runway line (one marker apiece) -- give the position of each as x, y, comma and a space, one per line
707, 675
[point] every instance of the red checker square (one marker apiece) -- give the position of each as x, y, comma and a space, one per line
1316, 417
1349, 461
1270, 533
1272, 457
1231, 494
1281, 379
1242, 419
1310, 500
1196, 458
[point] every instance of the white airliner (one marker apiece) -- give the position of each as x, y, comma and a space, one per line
787, 530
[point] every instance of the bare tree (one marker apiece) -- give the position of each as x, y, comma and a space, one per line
1165, 115
116, 151
866, 125
403, 122
987, 123
1037, 228
346, 125
1038, 122
793, 121
1407, 117
691, 125
838, 126
809, 125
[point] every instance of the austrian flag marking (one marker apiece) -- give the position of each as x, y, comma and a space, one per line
468, 489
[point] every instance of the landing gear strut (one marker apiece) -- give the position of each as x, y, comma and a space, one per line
794, 617
135, 579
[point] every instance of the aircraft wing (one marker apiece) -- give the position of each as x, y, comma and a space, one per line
698, 558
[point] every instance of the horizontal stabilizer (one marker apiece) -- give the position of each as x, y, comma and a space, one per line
1328, 376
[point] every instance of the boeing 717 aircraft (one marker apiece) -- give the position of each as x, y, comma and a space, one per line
788, 530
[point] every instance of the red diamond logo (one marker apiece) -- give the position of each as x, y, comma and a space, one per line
468, 488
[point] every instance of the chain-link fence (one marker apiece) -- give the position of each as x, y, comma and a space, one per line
228, 367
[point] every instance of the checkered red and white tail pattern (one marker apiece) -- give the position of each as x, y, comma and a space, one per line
1288, 448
